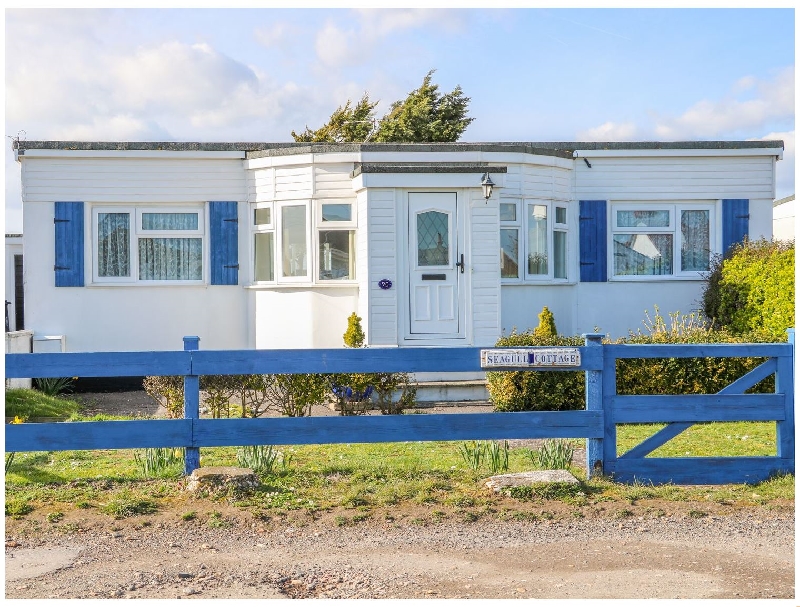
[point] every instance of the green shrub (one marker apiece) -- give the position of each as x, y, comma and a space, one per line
752, 289
537, 390
685, 375
170, 388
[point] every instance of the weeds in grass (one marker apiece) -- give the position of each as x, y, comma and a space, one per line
217, 521
18, 508
263, 459
9, 460
189, 516
564, 492
159, 462
54, 517
553, 455
340, 521
126, 505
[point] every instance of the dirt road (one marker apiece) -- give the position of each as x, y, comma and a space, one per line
746, 555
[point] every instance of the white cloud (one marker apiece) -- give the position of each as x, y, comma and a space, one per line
774, 101
784, 169
610, 131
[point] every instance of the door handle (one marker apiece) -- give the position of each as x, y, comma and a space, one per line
461, 265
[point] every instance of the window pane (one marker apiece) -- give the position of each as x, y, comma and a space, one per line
695, 241
561, 215
336, 212
293, 235
642, 254
433, 239
643, 219
509, 253
508, 211
169, 221
559, 254
170, 259
264, 253
262, 217
336, 255
113, 244
537, 239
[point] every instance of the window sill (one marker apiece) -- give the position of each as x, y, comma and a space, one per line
303, 285
537, 283
146, 284
649, 278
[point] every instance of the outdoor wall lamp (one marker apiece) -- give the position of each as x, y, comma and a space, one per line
488, 185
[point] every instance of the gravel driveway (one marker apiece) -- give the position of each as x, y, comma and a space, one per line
749, 555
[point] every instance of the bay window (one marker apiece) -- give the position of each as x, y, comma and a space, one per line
315, 242
661, 239
535, 231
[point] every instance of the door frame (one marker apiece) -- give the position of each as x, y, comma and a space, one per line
404, 335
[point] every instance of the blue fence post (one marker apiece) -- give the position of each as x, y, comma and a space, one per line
594, 402
784, 384
191, 407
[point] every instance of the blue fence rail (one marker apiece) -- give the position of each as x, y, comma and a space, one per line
597, 423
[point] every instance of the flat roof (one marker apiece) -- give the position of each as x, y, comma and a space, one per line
563, 149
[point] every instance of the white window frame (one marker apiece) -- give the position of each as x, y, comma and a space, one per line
521, 225
263, 229
277, 221
674, 209
333, 226
135, 213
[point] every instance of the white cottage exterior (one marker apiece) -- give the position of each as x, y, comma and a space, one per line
131, 246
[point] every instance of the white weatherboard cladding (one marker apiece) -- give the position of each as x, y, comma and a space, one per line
382, 235
483, 307
132, 180
261, 185
303, 317
294, 182
537, 181
674, 178
333, 180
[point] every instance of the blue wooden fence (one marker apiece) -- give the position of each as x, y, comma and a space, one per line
597, 423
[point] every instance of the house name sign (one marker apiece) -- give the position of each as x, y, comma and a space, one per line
531, 357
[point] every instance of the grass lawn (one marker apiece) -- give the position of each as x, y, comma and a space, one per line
351, 482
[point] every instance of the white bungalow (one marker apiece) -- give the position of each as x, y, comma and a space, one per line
131, 246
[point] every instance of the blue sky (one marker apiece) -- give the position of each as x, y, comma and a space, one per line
538, 74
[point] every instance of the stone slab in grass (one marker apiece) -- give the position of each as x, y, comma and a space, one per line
222, 477
524, 479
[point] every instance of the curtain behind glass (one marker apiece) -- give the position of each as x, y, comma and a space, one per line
695, 241
170, 259
113, 244
169, 221
537, 239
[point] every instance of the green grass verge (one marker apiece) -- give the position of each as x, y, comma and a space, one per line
25, 403
705, 440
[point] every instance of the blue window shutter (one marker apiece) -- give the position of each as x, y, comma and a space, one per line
593, 240
69, 244
735, 221
224, 220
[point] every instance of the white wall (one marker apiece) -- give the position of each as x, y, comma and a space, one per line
127, 318
303, 317
783, 221
382, 238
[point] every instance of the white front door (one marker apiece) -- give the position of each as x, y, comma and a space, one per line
436, 265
